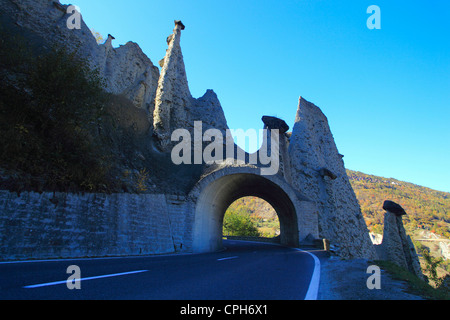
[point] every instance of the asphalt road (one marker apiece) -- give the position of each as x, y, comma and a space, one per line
244, 271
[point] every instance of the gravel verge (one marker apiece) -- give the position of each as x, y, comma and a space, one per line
347, 280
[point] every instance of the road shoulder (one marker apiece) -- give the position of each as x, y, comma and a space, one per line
347, 280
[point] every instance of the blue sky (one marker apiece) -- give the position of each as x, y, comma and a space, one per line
386, 92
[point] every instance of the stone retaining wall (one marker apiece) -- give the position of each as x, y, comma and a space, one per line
48, 225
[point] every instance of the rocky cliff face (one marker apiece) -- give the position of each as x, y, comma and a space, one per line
127, 70
130, 72
318, 172
131, 78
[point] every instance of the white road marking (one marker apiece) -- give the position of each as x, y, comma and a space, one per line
82, 279
229, 258
313, 290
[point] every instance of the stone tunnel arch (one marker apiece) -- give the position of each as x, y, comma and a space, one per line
217, 191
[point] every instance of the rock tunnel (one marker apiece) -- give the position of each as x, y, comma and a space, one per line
216, 192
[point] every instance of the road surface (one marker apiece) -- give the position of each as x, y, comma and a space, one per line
244, 271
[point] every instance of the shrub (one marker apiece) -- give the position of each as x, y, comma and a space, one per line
431, 265
238, 223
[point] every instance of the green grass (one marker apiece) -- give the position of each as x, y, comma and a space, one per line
415, 285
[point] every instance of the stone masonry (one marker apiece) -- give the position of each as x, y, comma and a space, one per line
60, 225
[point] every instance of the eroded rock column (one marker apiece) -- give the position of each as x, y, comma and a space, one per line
397, 246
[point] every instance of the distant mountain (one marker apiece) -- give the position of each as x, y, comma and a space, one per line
255, 207
426, 208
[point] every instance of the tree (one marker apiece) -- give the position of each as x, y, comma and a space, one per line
431, 265
238, 223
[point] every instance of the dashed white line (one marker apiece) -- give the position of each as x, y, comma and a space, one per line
229, 258
48, 284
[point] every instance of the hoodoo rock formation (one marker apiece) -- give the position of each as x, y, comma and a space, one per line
397, 246
175, 107
311, 149
311, 192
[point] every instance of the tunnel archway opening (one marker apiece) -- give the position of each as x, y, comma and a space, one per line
251, 217
215, 198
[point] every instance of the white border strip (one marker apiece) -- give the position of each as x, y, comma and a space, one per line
313, 290
79, 280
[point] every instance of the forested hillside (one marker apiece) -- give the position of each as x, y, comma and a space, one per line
426, 208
